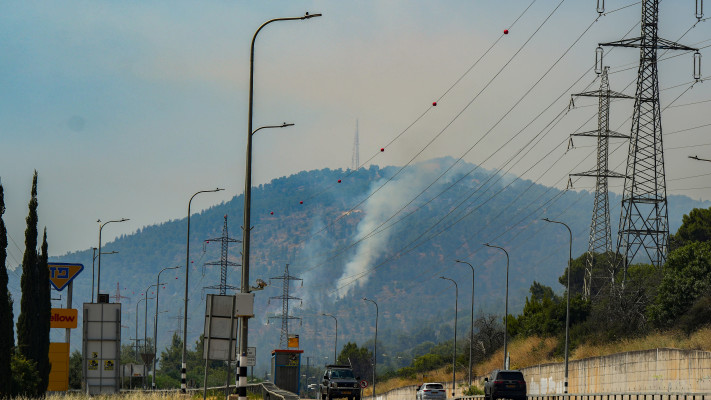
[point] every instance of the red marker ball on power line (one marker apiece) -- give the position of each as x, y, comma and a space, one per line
434, 104
339, 181
301, 202
506, 31
271, 213
382, 149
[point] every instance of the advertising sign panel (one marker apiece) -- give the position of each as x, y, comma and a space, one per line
63, 318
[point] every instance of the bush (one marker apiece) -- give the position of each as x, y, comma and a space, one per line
25, 377
472, 390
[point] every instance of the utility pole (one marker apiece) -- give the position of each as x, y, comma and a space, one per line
285, 297
644, 219
600, 241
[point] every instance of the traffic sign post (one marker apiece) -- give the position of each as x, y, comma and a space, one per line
363, 384
62, 275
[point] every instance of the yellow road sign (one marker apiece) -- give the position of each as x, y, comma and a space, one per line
60, 274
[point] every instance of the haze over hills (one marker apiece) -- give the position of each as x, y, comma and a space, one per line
354, 239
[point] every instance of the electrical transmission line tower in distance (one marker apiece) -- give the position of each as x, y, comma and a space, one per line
285, 297
224, 262
117, 297
644, 217
600, 241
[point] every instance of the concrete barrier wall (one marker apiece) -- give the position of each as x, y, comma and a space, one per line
660, 370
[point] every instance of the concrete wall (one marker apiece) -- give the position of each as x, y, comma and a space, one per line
660, 370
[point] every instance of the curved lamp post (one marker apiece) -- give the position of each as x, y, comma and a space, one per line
93, 258
567, 300
506, 307
246, 226
184, 365
335, 344
155, 327
471, 327
375, 343
98, 274
137, 303
454, 357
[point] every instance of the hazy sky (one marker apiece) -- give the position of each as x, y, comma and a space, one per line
128, 108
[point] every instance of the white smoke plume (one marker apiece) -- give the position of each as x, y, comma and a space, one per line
378, 208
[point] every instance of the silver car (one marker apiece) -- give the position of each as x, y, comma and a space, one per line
431, 391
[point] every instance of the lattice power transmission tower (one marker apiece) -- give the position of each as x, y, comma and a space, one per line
285, 297
224, 261
644, 220
355, 158
117, 297
600, 241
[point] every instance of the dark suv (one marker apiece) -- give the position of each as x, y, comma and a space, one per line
505, 384
339, 382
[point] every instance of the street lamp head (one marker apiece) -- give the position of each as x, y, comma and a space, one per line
307, 15
284, 125
546, 219
124, 219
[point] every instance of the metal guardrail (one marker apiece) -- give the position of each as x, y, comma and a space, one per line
267, 390
610, 396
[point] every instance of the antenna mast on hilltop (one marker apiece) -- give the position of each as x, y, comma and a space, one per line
285, 317
355, 158
644, 218
600, 241
224, 262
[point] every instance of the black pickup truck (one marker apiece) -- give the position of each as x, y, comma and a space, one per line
339, 382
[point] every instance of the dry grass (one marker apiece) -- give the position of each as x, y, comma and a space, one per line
524, 352
699, 340
530, 351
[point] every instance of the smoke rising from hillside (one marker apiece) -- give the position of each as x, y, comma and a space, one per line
377, 209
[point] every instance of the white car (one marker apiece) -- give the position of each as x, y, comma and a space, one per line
431, 391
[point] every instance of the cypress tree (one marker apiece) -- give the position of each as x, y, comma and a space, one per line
28, 326
7, 336
45, 312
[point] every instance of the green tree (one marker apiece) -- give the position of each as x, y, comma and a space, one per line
44, 311
7, 338
171, 358
359, 358
686, 281
29, 327
75, 370
25, 378
695, 227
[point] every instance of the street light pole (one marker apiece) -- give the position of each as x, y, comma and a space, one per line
454, 357
145, 327
567, 300
155, 327
246, 226
184, 365
471, 327
98, 274
93, 258
136, 337
335, 344
506, 309
375, 343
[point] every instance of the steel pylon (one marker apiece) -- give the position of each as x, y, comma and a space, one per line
600, 240
224, 261
285, 297
644, 219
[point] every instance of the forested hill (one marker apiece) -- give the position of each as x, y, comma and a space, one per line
353, 239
